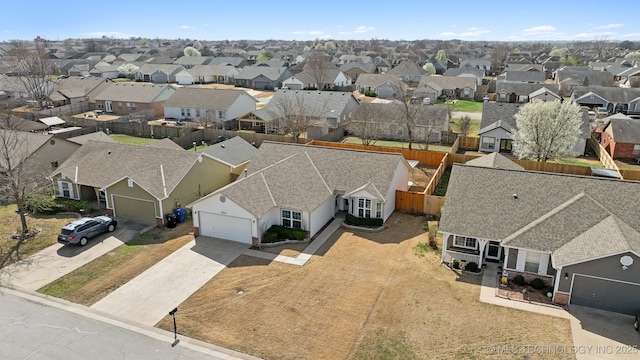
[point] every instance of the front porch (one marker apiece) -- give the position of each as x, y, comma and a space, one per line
464, 256
466, 249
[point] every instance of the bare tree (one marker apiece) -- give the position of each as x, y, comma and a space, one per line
602, 46
464, 126
499, 55
366, 123
317, 68
406, 112
427, 124
33, 69
21, 174
293, 113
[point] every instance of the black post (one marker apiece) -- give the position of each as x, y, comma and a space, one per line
175, 328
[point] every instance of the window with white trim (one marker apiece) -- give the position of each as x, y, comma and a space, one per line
532, 262
636, 149
185, 112
222, 114
378, 210
488, 142
465, 242
364, 208
292, 219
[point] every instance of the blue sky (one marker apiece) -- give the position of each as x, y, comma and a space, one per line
308, 20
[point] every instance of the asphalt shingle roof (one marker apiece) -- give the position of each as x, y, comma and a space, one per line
625, 130
495, 160
138, 93
204, 98
235, 151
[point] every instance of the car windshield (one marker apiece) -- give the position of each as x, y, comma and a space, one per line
66, 232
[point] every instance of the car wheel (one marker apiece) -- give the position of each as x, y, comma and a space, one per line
83, 241
110, 228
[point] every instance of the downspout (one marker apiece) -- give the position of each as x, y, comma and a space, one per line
164, 188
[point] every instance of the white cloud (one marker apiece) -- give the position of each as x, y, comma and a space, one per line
608, 26
631, 35
471, 32
448, 33
315, 32
363, 29
185, 27
543, 32
543, 29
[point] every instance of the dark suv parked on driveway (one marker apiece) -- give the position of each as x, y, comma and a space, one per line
79, 231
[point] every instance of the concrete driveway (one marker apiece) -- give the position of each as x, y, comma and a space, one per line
58, 260
151, 295
599, 334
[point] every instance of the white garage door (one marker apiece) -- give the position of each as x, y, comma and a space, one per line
225, 227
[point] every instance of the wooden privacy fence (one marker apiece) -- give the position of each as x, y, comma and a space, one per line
430, 158
470, 143
412, 202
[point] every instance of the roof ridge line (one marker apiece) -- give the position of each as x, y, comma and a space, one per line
318, 171
266, 185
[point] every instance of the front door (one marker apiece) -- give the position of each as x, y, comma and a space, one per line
108, 107
505, 145
494, 250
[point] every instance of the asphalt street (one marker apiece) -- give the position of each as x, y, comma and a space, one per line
34, 328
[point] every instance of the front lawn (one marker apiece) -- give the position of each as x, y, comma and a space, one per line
361, 296
398, 144
463, 105
48, 226
473, 131
133, 140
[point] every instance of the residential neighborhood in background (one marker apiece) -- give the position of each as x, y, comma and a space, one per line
257, 142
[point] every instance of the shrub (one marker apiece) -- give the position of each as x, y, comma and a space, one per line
472, 266
41, 204
518, 280
537, 284
370, 93
270, 237
277, 232
456, 264
366, 222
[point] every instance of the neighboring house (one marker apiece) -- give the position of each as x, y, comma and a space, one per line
219, 106
434, 86
568, 77
354, 69
615, 99
467, 71
307, 79
21, 124
329, 110
105, 71
515, 92
235, 152
385, 86
482, 64
76, 89
262, 77
498, 124
141, 183
530, 77
128, 98
408, 71
43, 152
544, 94
204, 74
235, 61
271, 192
13, 88
621, 137
189, 62
158, 73
429, 124
515, 66
94, 136
578, 234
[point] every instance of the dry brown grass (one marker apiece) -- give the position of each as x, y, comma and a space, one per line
11, 250
362, 296
97, 279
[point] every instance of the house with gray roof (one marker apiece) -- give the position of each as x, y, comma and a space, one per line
42, 152
360, 183
354, 69
158, 73
236, 152
262, 77
188, 62
578, 234
433, 86
77, 89
615, 99
408, 71
494, 160
128, 98
385, 86
568, 77
218, 106
309, 78
236, 61
105, 70
322, 110
515, 92
531, 77
141, 183
621, 137
204, 74
467, 71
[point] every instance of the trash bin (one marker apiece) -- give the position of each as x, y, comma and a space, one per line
181, 214
172, 220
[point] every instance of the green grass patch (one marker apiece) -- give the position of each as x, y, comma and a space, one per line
441, 189
424, 248
398, 144
577, 162
454, 124
132, 140
463, 105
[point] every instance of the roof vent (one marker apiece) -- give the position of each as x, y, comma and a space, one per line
515, 196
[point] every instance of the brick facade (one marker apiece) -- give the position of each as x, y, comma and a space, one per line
560, 298
617, 150
528, 277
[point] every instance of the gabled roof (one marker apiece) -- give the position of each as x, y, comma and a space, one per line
624, 129
235, 151
252, 72
522, 89
204, 70
133, 92
494, 160
493, 112
27, 143
165, 68
375, 80
611, 94
165, 143
322, 170
407, 68
94, 136
544, 90
448, 82
320, 103
467, 69
543, 211
523, 76
203, 98
99, 164
76, 87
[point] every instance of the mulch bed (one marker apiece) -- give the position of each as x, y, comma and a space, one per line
525, 293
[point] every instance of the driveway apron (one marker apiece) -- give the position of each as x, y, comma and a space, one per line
151, 295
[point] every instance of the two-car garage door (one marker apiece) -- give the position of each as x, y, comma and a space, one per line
606, 294
225, 227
